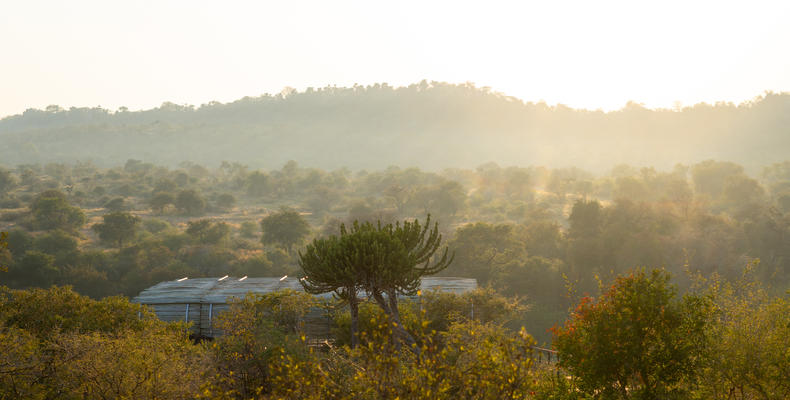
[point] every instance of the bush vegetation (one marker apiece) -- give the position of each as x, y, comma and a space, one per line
549, 247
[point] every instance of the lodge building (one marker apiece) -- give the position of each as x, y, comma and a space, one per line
199, 300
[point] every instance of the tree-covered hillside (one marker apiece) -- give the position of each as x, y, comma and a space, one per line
430, 125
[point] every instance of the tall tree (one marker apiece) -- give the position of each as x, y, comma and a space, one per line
325, 266
384, 260
399, 256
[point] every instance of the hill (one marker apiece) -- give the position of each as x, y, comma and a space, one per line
431, 125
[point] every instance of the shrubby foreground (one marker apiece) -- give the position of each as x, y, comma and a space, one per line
637, 340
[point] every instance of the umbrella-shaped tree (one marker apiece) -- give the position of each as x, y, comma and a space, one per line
383, 260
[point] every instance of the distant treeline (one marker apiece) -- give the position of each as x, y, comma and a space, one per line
430, 125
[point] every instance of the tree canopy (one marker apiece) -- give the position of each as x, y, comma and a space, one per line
635, 341
117, 228
382, 259
51, 210
206, 231
285, 227
189, 201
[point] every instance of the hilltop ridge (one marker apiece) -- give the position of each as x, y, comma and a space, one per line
431, 125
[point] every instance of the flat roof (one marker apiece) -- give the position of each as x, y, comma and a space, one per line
216, 291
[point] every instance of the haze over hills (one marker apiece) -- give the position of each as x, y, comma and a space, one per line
431, 125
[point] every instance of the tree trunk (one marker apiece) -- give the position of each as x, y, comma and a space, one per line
398, 330
353, 304
381, 302
390, 307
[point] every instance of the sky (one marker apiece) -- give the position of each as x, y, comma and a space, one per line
584, 54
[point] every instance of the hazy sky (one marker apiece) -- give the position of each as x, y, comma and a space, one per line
592, 54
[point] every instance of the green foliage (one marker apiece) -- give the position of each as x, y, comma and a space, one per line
161, 200
248, 229
485, 361
444, 200
7, 181
636, 340
10, 202
208, 260
51, 210
57, 344
174, 240
115, 205
153, 363
710, 176
543, 238
99, 191
257, 266
45, 313
284, 309
326, 268
207, 231
585, 219
323, 199
541, 282
23, 365
369, 318
256, 329
55, 242
281, 261
226, 201
749, 339
285, 227
189, 202
382, 260
512, 233
481, 249
458, 117
484, 305
117, 228
19, 241
553, 384
59, 244
540, 278
258, 183
3, 247
392, 259
35, 268
154, 225
471, 361
741, 192
433, 311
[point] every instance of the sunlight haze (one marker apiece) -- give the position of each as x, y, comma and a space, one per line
427, 200
582, 54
